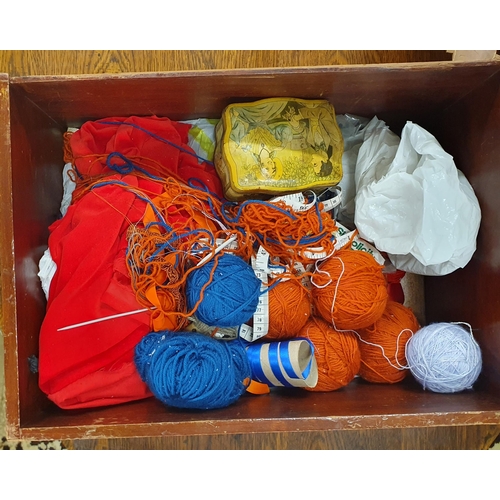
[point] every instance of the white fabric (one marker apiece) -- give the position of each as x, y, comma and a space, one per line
47, 267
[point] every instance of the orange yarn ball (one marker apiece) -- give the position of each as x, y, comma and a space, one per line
289, 309
350, 290
337, 354
391, 332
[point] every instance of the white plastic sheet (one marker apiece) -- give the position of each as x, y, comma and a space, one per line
353, 130
413, 203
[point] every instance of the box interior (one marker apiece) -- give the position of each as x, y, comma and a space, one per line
458, 103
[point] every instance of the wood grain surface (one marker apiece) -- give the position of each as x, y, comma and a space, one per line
60, 62
21, 63
430, 438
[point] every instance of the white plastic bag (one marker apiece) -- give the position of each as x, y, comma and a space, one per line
353, 130
413, 203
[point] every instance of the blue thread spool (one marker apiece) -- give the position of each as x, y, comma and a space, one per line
231, 298
191, 370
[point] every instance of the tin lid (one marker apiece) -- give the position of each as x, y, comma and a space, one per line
281, 144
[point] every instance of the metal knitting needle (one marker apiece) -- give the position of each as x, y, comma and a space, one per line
105, 318
217, 250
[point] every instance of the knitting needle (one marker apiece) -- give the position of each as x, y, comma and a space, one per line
217, 250
105, 318
202, 261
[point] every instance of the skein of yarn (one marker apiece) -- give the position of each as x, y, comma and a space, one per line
382, 345
289, 310
232, 294
337, 354
191, 370
444, 357
349, 290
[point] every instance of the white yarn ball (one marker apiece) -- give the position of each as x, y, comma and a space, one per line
444, 357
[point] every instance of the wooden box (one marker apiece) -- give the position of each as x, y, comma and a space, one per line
457, 102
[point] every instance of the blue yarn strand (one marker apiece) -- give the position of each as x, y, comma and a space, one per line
236, 218
318, 214
80, 176
143, 198
305, 240
161, 224
159, 138
128, 166
203, 187
169, 244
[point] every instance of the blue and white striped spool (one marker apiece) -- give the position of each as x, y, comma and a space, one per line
289, 363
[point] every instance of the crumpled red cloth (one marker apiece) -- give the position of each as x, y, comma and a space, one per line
93, 365
161, 143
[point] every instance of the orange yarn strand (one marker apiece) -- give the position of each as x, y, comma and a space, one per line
160, 282
154, 251
275, 231
67, 151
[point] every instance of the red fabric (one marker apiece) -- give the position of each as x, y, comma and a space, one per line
394, 287
97, 138
93, 365
118, 386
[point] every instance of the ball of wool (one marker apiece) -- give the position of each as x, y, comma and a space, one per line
349, 290
337, 354
232, 295
382, 345
289, 310
444, 357
191, 370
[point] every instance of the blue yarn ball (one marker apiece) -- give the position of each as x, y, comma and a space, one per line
191, 370
444, 357
231, 298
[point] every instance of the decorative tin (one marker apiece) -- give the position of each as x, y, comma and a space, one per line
278, 145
